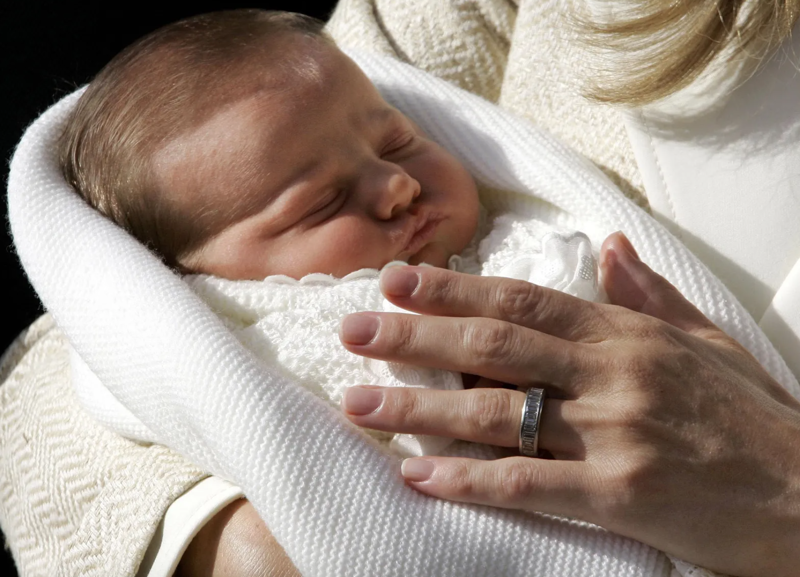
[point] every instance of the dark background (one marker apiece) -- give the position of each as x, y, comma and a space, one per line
48, 49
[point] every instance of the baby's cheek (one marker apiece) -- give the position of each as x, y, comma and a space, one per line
353, 235
350, 245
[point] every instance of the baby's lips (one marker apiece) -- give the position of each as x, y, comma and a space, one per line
424, 234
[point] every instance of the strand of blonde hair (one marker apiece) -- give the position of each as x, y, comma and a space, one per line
651, 49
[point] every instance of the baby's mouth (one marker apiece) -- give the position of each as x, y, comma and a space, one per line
420, 234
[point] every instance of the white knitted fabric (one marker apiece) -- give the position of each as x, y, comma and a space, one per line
465, 42
77, 499
293, 325
334, 501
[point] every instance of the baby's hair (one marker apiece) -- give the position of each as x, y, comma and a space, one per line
151, 92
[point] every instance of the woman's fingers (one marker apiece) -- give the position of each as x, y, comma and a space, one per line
490, 348
629, 282
546, 486
440, 292
632, 284
483, 415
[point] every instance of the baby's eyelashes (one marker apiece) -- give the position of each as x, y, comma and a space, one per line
398, 144
329, 205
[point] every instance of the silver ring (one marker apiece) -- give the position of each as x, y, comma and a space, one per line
531, 419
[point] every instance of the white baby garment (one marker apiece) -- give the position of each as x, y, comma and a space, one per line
293, 325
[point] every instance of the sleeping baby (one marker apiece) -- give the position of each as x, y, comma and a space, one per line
257, 159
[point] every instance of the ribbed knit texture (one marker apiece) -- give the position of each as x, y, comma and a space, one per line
76, 499
465, 42
293, 325
335, 502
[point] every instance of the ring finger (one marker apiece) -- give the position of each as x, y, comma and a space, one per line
484, 415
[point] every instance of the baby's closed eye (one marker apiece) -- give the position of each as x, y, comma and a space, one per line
398, 143
328, 205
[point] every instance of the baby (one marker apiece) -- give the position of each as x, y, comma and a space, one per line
245, 145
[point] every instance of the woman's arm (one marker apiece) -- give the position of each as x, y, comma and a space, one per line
662, 427
235, 543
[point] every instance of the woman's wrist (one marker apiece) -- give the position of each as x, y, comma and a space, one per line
774, 544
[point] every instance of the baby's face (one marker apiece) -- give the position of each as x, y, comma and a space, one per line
319, 174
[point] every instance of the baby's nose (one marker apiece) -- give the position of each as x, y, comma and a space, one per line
399, 192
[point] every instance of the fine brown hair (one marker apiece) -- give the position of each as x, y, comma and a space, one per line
149, 93
654, 48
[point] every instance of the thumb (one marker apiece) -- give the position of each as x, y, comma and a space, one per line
632, 284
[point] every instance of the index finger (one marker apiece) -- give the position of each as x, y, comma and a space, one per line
490, 348
440, 292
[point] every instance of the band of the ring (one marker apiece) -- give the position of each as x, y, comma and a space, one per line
531, 419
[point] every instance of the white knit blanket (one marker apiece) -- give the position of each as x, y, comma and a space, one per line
334, 501
293, 325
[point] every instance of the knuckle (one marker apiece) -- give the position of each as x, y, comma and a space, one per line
609, 317
637, 365
518, 479
404, 406
650, 367
491, 409
629, 481
460, 481
519, 300
652, 332
404, 336
638, 361
614, 498
441, 289
629, 417
642, 327
490, 343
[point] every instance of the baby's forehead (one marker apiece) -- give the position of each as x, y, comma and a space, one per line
309, 76
269, 102
298, 64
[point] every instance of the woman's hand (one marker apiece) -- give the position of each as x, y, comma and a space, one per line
661, 427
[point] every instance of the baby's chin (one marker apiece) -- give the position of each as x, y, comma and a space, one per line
433, 254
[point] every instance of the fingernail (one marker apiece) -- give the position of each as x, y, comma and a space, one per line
416, 469
360, 401
626, 246
359, 329
399, 281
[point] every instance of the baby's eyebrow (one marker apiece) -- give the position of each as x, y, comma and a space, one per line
383, 115
264, 192
309, 170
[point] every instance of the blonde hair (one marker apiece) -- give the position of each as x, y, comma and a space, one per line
152, 91
654, 48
